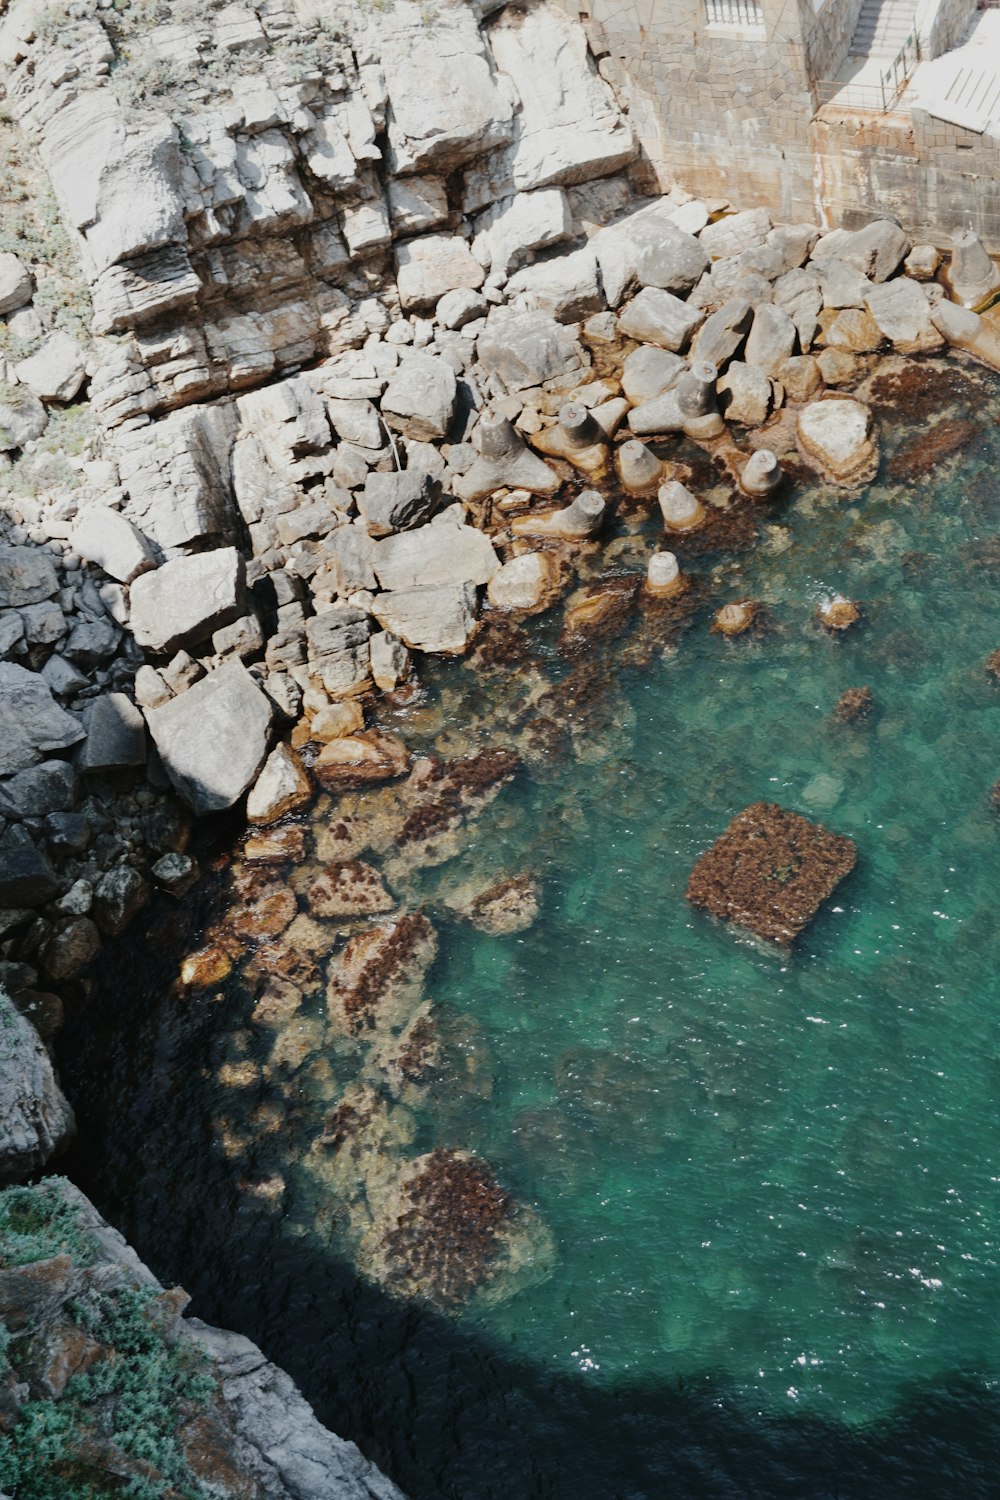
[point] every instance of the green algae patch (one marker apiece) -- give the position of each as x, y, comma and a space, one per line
770, 871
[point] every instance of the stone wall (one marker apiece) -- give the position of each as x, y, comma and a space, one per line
829, 36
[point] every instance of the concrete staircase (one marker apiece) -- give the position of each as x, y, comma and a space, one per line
883, 26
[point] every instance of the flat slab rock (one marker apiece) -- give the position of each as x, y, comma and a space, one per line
770, 872
213, 738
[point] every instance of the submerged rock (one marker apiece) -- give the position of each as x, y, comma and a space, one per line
837, 435
770, 871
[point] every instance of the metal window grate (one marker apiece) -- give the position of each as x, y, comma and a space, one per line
743, 13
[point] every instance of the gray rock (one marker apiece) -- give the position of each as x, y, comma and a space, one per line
722, 333
243, 638
648, 372
350, 553
35, 1118
434, 555
107, 538
661, 414
799, 294
16, 285
355, 422
11, 634
771, 339
419, 400
394, 502
22, 417
510, 230
26, 876
745, 394
416, 204
56, 371
176, 873
31, 722
213, 739
91, 642
432, 619
38, 790
187, 599
44, 623
116, 734
68, 832
876, 251
337, 645
841, 284
71, 949
647, 249
428, 267
390, 661
525, 349
902, 313
658, 317
27, 576
566, 287
735, 233
118, 897
459, 307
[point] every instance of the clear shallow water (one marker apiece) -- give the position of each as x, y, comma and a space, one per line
772, 1179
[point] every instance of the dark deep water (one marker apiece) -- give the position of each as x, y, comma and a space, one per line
771, 1180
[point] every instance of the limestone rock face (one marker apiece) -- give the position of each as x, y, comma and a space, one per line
447, 103
837, 435
569, 128
31, 722
187, 599
118, 180
213, 738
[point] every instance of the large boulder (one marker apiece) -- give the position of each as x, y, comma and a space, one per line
22, 417
436, 619
433, 264
56, 371
419, 400
26, 876
116, 735
338, 650
513, 228
722, 333
187, 599
107, 538
771, 339
647, 248
657, 317
432, 555
567, 287
213, 738
876, 251
902, 314
31, 722
525, 348
27, 576
570, 128
16, 285
35, 1117
394, 502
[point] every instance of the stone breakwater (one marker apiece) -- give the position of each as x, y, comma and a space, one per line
364, 350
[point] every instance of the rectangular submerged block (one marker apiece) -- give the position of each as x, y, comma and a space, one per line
770, 871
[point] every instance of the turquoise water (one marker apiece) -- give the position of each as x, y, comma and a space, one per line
771, 1178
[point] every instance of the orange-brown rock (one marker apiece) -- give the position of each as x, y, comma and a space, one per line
266, 917
206, 967
276, 846
350, 889
770, 871
361, 760
378, 979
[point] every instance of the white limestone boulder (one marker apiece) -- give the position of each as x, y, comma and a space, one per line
514, 227
419, 400
428, 267
432, 555
657, 317
56, 371
22, 417
213, 738
187, 599
436, 619
525, 348
567, 287
16, 284
902, 314
107, 538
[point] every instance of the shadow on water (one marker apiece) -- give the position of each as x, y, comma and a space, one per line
441, 1409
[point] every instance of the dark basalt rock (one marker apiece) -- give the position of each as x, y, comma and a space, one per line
770, 871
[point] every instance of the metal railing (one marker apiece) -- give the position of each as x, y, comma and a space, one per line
741, 13
881, 97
